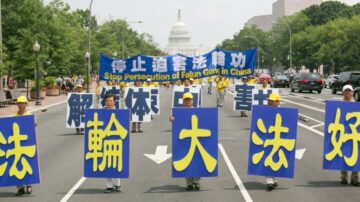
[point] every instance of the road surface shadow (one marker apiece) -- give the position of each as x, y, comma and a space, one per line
166, 131
323, 184
92, 191
258, 186
169, 189
68, 134
12, 195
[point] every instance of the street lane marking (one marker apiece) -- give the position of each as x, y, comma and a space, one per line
317, 125
48, 106
302, 105
310, 99
73, 189
236, 177
311, 129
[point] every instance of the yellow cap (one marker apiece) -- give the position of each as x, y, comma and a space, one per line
21, 99
274, 97
187, 96
191, 79
79, 86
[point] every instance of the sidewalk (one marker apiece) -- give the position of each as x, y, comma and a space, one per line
48, 101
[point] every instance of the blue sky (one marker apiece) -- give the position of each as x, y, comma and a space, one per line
209, 21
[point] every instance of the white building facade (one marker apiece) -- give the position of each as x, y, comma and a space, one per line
180, 41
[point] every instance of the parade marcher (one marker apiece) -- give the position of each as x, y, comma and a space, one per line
97, 93
252, 80
22, 103
227, 84
79, 90
112, 184
210, 81
273, 101
136, 125
186, 83
147, 83
191, 183
243, 113
264, 86
220, 91
354, 180
191, 80
123, 86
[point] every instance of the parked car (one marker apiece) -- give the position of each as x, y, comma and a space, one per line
306, 82
330, 80
280, 81
357, 94
264, 77
351, 77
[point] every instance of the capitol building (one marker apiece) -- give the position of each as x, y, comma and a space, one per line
180, 41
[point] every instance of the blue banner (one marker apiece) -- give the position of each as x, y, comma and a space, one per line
243, 97
178, 67
107, 143
342, 136
195, 142
76, 105
273, 141
19, 163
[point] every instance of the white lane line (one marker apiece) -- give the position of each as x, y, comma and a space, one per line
236, 177
48, 106
303, 125
317, 125
310, 99
311, 129
73, 189
302, 105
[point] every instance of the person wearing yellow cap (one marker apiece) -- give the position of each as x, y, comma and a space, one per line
211, 80
220, 91
348, 97
147, 83
191, 183
273, 101
22, 103
191, 81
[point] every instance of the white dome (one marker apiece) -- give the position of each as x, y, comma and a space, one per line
179, 34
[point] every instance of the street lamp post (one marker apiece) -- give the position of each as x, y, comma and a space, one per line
123, 36
88, 53
258, 51
36, 49
290, 42
87, 56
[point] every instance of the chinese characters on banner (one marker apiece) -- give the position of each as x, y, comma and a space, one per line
195, 142
259, 96
179, 91
342, 136
77, 103
19, 163
178, 67
142, 102
243, 97
114, 90
273, 141
107, 143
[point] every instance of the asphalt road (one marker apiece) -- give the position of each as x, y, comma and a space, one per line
61, 161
